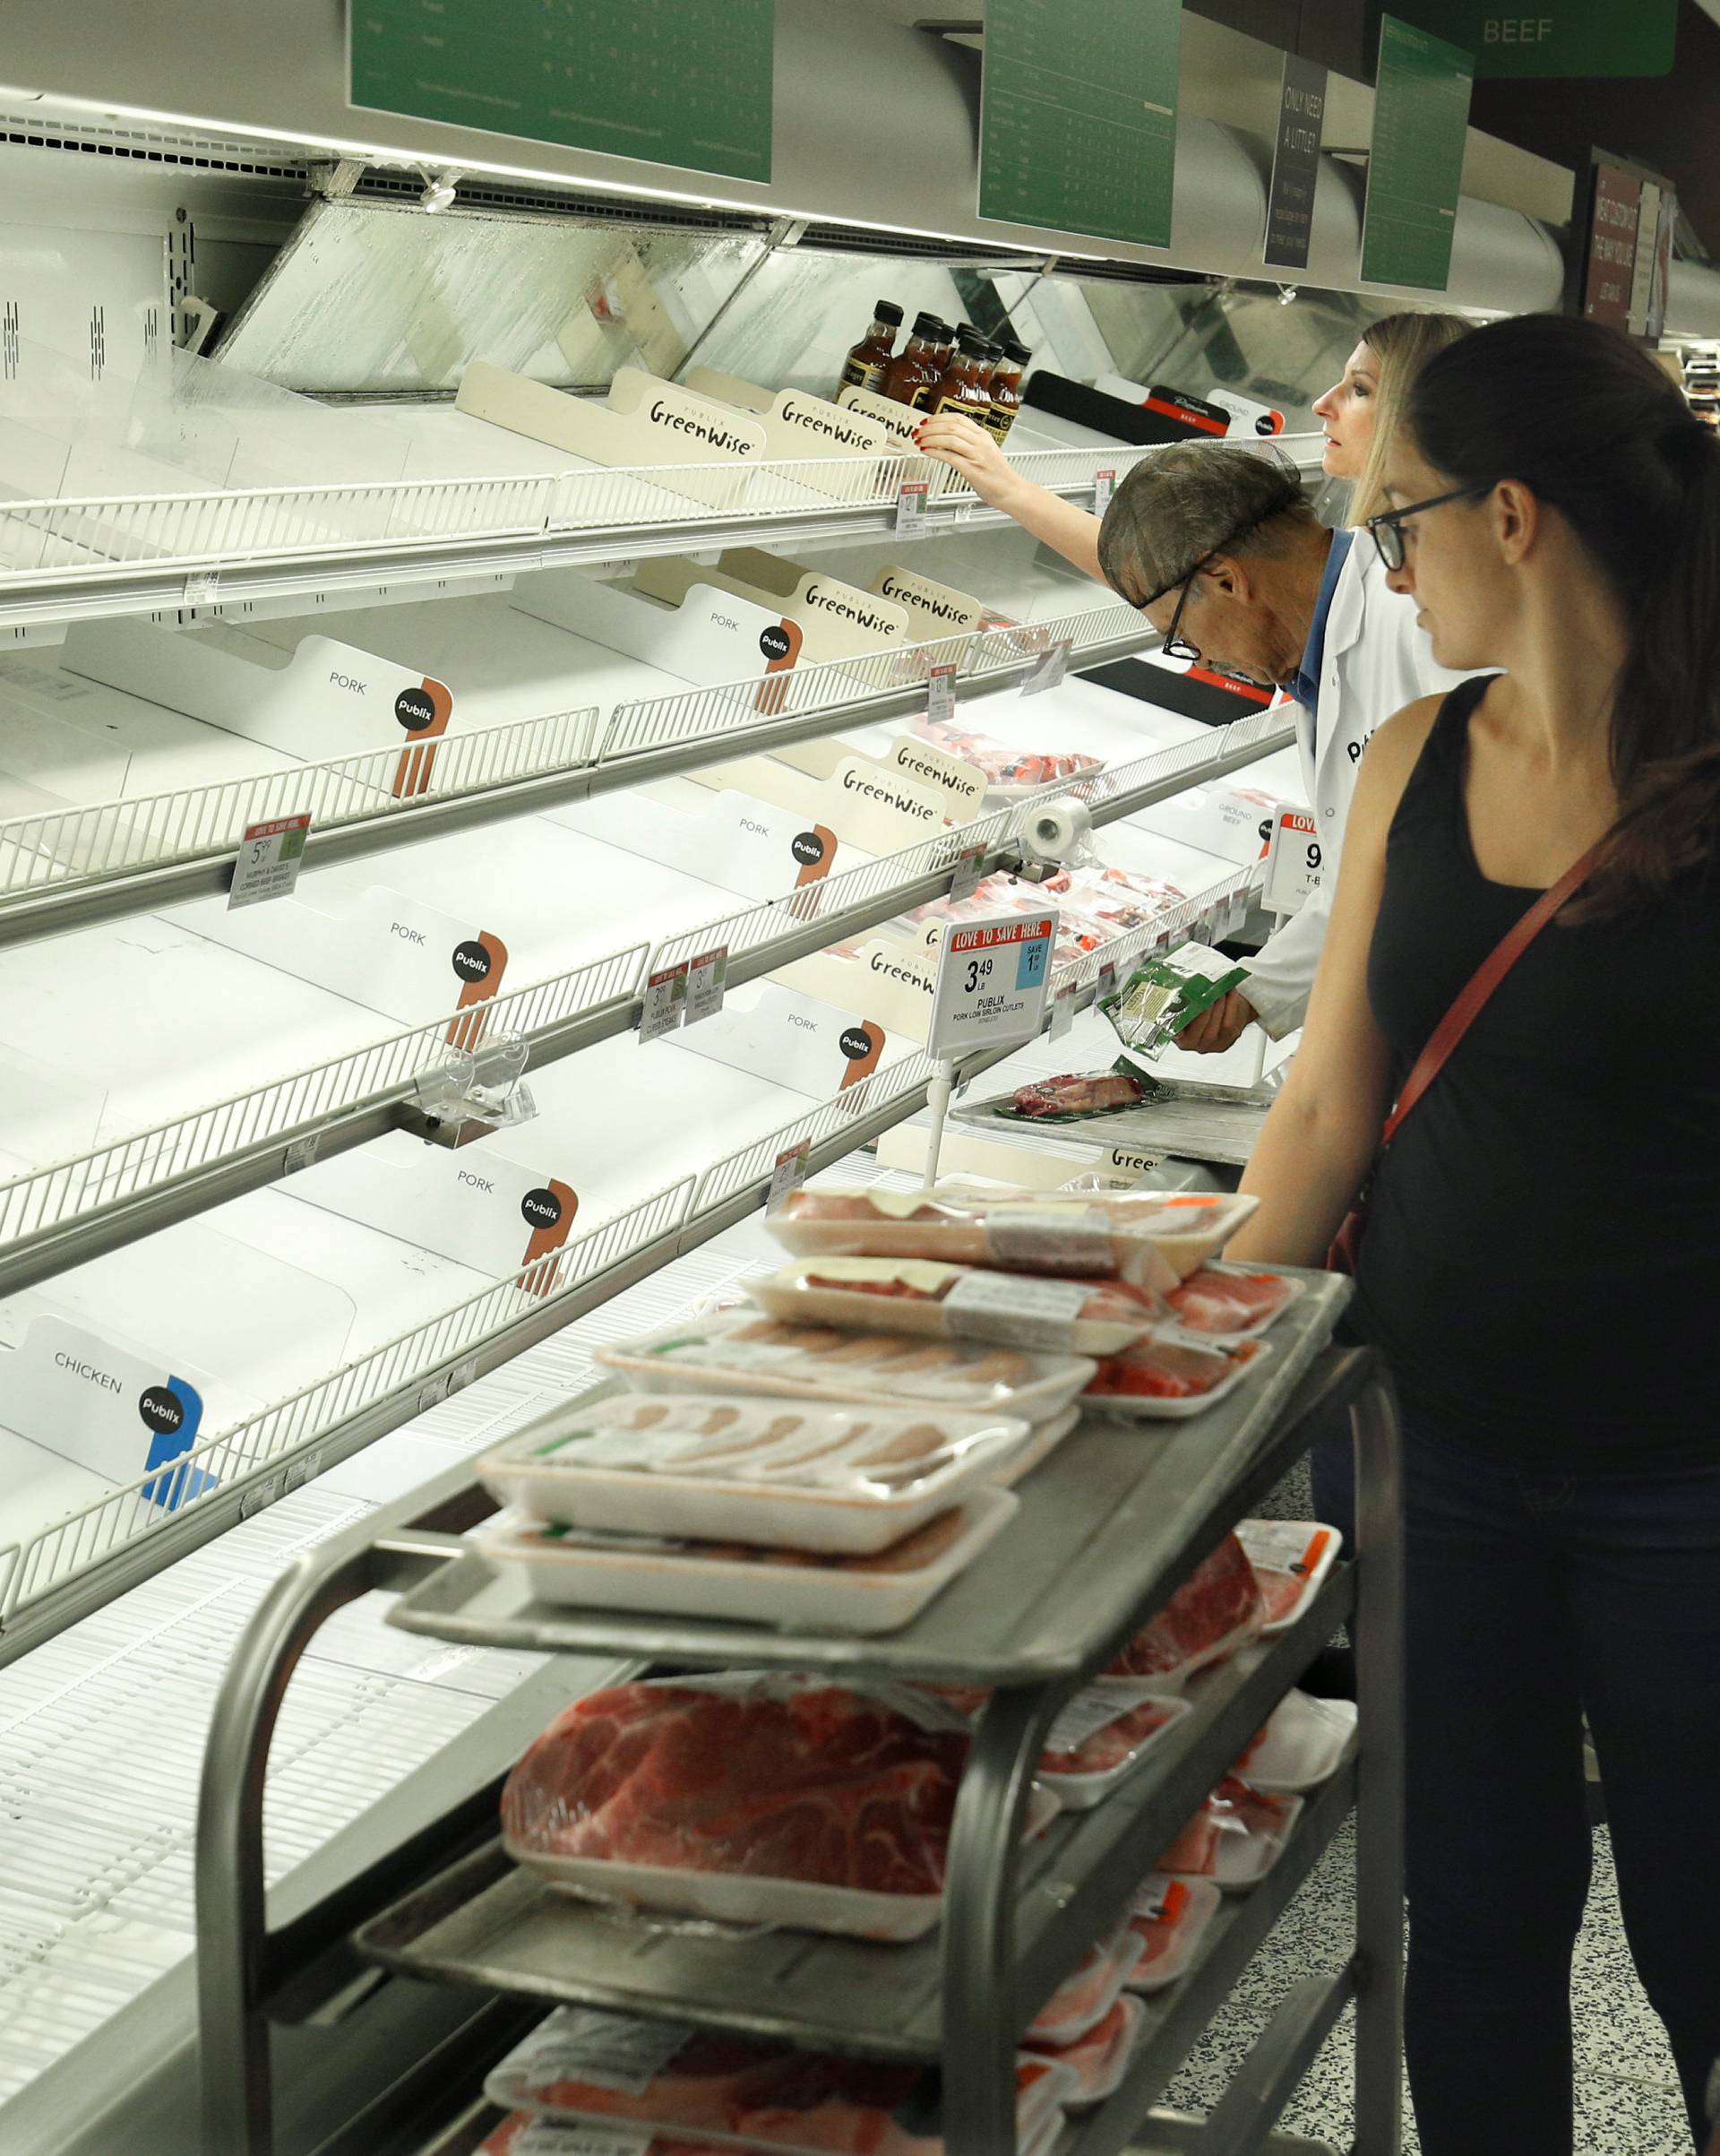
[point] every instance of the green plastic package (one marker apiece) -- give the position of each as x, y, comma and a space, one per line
1167, 992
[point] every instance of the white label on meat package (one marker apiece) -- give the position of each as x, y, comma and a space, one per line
565, 2137
1085, 1716
611, 2050
1019, 1313
1151, 1896
1284, 1545
1063, 1239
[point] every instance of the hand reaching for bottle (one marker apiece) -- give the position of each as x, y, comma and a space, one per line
971, 453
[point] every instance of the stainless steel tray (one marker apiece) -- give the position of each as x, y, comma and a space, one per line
1192, 1127
1109, 1526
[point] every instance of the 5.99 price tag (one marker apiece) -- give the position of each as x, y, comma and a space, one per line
1293, 859
270, 856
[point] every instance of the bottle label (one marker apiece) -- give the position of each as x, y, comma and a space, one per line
959, 403
857, 374
999, 420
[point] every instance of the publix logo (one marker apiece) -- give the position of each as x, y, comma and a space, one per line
775, 642
540, 1209
807, 848
415, 709
171, 1413
857, 1044
471, 962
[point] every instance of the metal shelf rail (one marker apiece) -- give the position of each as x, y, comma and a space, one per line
1109, 1526
50, 1578
71, 560
68, 867
72, 1210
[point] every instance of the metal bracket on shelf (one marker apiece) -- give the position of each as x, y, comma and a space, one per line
472, 1093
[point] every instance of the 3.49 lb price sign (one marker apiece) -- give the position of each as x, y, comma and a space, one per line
993, 976
1294, 859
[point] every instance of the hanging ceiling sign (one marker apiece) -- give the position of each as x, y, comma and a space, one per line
1556, 38
1078, 116
678, 82
1623, 247
1420, 126
1295, 164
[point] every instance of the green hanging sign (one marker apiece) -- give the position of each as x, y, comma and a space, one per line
1077, 117
1421, 125
678, 82
1556, 38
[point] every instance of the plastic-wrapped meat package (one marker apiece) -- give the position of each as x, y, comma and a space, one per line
666, 2076
960, 1302
1001, 894
1087, 1994
1218, 1610
1164, 1378
1235, 1837
1291, 1559
525, 2134
1003, 767
1229, 1302
1104, 903
1168, 1919
1100, 2059
1101, 1737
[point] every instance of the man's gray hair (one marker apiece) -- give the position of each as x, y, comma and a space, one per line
1186, 501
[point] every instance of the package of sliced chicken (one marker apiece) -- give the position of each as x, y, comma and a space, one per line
845, 1481
1102, 1736
1169, 1918
1152, 1239
1166, 1377
804, 1591
737, 1351
1100, 2059
960, 1302
754, 1798
601, 2069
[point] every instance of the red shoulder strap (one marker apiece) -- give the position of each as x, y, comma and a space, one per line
1487, 976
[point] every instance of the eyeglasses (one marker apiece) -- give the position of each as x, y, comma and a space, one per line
1387, 527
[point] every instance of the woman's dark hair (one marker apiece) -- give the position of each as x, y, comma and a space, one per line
1588, 422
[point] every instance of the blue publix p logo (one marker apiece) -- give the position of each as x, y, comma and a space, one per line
171, 1413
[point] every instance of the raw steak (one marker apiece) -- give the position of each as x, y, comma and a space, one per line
1162, 1369
1232, 1808
811, 1783
767, 2093
1163, 1910
1086, 1995
1100, 2056
1228, 1302
1072, 1094
1218, 1609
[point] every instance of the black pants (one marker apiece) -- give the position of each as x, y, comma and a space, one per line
1532, 1598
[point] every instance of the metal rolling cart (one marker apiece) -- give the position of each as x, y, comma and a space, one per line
1108, 1527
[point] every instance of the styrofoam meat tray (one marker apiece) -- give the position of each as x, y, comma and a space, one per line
914, 1295
845, 1480
1228, 1337
1059, 2022
1102, 2077
880, 1593
1244, 1860
1199, 1901
1039, 1443
1109, 1703
741, 1898
1291, 1559
1302, 1746
737, 1351
1150, 1407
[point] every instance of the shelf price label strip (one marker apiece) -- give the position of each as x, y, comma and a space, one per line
271, 1453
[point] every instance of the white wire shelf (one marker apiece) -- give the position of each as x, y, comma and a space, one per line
67, 867
50, 1578
72, 1210
64, 560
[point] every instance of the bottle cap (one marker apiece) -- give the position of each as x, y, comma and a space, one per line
887, 310
1016, 351
970, 341
926, 325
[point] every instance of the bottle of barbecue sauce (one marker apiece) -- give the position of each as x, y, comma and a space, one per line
913, 366
863, 369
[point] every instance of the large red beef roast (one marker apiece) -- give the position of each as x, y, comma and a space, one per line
780, 1782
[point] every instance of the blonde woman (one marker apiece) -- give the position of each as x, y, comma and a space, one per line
1311, 605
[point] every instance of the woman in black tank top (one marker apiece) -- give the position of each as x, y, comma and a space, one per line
1541, 1265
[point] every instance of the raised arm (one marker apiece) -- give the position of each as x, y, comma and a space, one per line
1314, 1152
975, 456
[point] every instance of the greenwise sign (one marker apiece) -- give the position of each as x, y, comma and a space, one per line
1556, 38
679, 81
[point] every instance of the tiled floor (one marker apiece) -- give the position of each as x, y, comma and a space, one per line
1627, 2099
